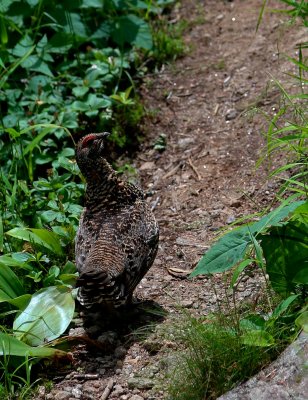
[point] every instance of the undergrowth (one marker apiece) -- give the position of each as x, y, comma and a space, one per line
66, 69
215, 359
218, 352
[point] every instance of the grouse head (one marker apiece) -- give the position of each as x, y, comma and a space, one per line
90, 151
91, 146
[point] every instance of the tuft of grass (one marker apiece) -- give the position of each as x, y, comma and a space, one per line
168, 40
215, 359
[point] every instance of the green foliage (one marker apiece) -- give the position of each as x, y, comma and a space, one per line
11, 346
66, 69
221, 352
67, 63
234, 246
46, 317
221, 355
285, 250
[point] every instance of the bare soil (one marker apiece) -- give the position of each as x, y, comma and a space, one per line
205, 179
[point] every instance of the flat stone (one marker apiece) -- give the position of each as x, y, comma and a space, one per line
140, 383
62, 395
136, 397
148, 165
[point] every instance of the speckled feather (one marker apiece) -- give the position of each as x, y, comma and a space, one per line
117, 239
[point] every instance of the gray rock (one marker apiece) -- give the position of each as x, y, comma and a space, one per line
187, 303
117, 391
140, 383
230, 219
286, 378
108, 338
120, 352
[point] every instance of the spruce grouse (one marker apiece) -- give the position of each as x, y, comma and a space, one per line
117, 238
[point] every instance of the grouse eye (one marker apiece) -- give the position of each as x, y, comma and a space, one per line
87, 139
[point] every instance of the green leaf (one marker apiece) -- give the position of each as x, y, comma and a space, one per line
36, 140
275, 217
132, 30
283, 306
49, 215
20, 302
223, 255
23, 46
80, 91
47, 316
9, 282
231, 248
258, 338
302, 321
11, 262
240, 268
285, 250
10, 346
1, 234
252, 323
41, 237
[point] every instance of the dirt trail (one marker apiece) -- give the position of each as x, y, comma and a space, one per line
203, 180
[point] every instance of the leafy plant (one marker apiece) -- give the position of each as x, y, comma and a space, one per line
215, 354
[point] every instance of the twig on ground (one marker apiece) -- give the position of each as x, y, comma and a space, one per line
194, 169
107, 390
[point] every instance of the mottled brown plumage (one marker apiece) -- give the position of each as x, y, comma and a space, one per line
117, 238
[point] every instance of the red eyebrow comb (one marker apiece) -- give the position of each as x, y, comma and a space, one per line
93, 136
87, 139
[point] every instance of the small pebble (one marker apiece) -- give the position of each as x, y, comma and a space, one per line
120, 352
77, 393
136, 397
61, 395
231, 114
230, 219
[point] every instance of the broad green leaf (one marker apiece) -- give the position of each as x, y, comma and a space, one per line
302, 209
301, 276
223, 255
75, 25
9, 282
252, 323
9, 261
10, 346
231, 248
132, 30
20, 302
49, 215
41, 237
302, 321
80, 91
275, 217
258, 338
23, 46
46, 317
285, 250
